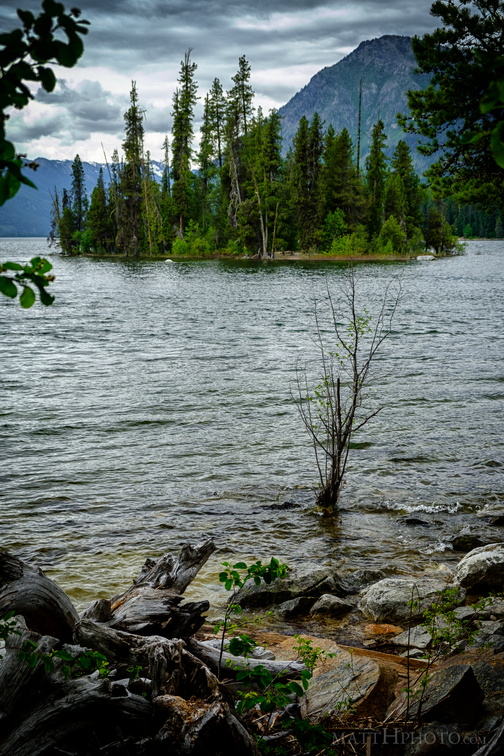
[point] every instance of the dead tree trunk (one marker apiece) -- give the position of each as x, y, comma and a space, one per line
27, 591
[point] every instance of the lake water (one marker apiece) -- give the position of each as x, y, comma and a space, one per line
152, 404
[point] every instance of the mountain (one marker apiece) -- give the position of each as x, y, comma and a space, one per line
386, 67
29, 212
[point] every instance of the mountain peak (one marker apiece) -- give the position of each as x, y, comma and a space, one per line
386, 66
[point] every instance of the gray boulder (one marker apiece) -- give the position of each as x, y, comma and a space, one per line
331, 606
402, 599
309, 580
482, 568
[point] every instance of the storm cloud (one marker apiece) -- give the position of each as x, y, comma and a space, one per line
285, 41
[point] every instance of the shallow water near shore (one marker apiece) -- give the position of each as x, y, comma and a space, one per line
152, 404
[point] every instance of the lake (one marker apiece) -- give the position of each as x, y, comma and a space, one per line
153, 403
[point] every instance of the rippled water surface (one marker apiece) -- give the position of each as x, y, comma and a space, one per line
152, 404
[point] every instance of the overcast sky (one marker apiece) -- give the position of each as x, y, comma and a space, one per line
285, 41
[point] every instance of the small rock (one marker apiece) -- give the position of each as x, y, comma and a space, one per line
482, 567
416, 637
412, 520
493, 609
331, 606
382, 629
297, 606
361, 579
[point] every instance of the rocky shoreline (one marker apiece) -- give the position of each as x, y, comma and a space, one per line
408, 666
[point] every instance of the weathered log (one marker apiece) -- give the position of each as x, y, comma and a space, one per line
27, 591
210, 656
153, 605
171, 667
39, 709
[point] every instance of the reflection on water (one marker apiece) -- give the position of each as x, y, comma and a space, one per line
152, 404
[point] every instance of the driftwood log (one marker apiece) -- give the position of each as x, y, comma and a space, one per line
158, 698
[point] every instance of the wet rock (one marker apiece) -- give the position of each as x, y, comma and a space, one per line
469, 538
482, 568
297, 606
452, 694
331, 606
412, 520
390, 600
284, 505
416, 637
361, 579
492, 515
306, 581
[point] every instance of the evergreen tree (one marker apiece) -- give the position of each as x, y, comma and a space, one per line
66, 226
98, 220
341, 185
402, 166
376, 167
217, 108
306, 182
241, 96
78, 194
184, 100
461, 56
130, 238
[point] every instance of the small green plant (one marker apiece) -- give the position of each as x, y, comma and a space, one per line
8, 626
234, 578
269, 691
134, 672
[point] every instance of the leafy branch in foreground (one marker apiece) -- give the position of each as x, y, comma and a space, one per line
235, 577
24, 53
36, 272
335, 410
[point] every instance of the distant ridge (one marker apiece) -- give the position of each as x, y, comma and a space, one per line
29, 212
386, 66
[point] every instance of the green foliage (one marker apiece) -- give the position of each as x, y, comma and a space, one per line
392, 237
376, 166
8, 626
24, 55
36, 272
235, 577
460, 113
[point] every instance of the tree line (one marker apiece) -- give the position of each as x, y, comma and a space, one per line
243, 196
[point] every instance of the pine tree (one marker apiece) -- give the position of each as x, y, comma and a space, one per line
130, 239
402, 166
184, 100
217, 107
376, 167
306, 183
241, 96
98, 220
78, 194
341, 185
66, 226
